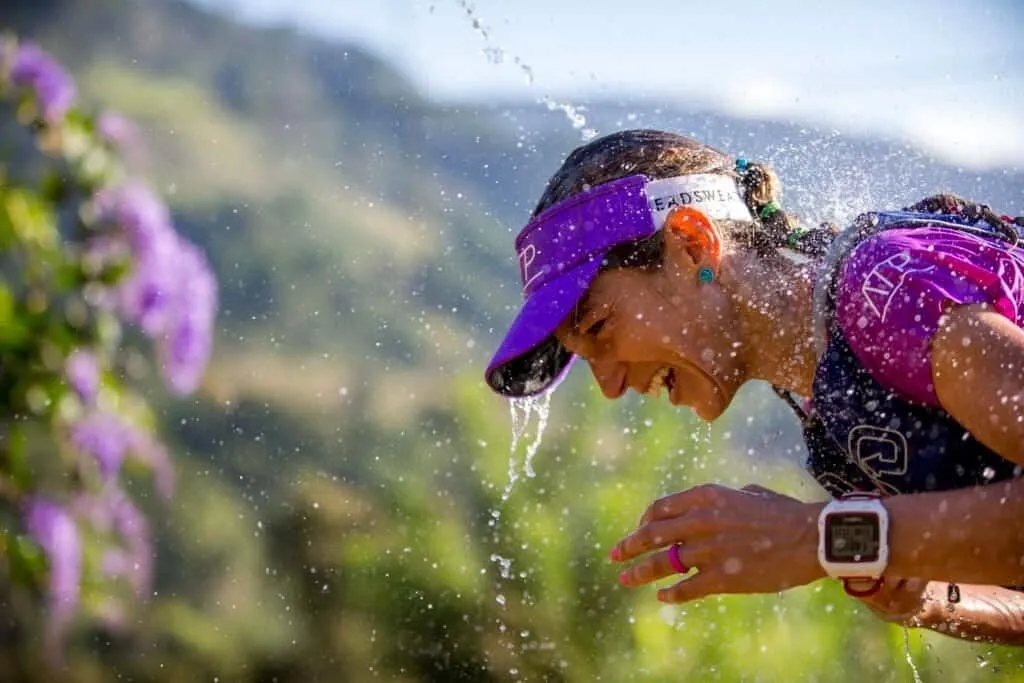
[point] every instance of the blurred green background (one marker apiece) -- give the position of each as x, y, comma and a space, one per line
340, 512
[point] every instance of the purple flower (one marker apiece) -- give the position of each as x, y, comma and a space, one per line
122, 134
109, 439
136, 210
106, 437
83, 373
34, 69
117, 130
150, 452
146, 295
186, 346
56, 532
134, 559
112, 512
171, 292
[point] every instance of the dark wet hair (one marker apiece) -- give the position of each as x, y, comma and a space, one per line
952, 205
660, 154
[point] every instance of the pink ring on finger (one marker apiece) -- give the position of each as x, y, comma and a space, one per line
673, 559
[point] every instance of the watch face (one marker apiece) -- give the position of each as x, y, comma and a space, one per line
852, 537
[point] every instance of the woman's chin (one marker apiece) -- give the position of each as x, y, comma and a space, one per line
707, 412
707, 405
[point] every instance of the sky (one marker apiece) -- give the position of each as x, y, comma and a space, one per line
946, 75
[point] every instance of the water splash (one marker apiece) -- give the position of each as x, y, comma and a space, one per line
542, 409
505, 570
504, 564
575, 116
496, 55
910, 659
523, 411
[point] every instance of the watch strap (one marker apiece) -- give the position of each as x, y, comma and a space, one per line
857, 588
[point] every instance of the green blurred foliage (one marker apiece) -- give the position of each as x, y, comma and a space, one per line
339, 513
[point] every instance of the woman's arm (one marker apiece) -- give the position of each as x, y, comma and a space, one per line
757, 541
988, 613
978, 371
985, 613
973, 535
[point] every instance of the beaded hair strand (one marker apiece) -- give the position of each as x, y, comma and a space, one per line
954, 205
775, 228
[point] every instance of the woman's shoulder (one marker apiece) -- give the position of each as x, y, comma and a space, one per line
885, 264
935, 239
895, 286
938, 259
939, 240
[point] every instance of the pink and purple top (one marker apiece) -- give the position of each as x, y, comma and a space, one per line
895, 286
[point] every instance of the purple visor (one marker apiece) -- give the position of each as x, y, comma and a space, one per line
561, 250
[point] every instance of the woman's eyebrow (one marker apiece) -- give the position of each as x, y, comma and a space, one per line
580, 310
577, 314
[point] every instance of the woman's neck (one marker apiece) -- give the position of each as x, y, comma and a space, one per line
773, 301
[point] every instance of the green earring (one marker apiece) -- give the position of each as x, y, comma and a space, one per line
705, 275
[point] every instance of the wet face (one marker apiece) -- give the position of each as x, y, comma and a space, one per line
659, 331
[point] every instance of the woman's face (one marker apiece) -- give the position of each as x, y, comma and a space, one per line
659, 329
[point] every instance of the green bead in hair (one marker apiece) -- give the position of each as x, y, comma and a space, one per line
769, 209
794, 236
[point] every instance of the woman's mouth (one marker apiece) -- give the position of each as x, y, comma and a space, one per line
663, 378
668, 378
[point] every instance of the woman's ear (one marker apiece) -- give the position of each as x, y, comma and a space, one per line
692, 240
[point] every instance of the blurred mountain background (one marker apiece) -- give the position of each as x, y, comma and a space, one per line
340, 512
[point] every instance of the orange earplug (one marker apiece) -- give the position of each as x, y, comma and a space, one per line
696, 227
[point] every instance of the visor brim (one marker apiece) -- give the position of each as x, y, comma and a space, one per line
530, 359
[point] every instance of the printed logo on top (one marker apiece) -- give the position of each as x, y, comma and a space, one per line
527, 255
880, 451
716, 195
881, 285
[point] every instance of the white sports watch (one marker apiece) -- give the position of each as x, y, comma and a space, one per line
853, 537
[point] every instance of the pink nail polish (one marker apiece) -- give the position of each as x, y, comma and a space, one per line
624, 578
615, 554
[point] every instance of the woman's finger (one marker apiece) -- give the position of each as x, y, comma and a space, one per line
657, 566
695, 525
706, 496
650, 536
761, 490
665, 507
693, 587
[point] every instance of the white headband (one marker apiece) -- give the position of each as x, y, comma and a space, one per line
715, 195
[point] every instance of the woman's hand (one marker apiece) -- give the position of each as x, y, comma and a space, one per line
749, 540
900, 601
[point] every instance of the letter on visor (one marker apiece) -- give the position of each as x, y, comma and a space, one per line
560, 252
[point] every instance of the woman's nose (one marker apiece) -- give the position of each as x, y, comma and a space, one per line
610, 376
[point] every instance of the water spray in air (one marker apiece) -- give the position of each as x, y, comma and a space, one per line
496, 55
